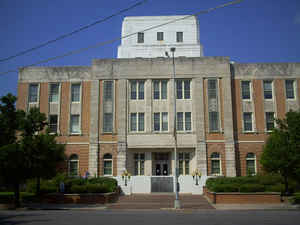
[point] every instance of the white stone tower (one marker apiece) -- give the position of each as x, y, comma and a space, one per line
182, 34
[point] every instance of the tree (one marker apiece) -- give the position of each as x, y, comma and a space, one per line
281, 153
42, 151
13, 168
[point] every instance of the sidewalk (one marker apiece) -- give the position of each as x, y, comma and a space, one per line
281, 206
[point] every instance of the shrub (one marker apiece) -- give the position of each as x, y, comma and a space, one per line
226, 188
46, 186
252, 188
296, 198
6, 197
98, 188
78, 189
270, 179
110, 183
275, 188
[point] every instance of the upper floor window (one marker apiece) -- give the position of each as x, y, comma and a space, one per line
247, 117
54, 92
75, 92
179, 36
250, 164
246, 93
74, 124
213, 121
33, 93
268, 89
107, 122
137, 121
137, 89
160, 89
184, 122
183, 89
53, 123
184, 163
140, 37
289, 89
160, 121
160, 36
269, 121
139, 164
108, 90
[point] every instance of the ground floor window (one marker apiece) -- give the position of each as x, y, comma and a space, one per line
139, 164
250, 164
184, 163
73, 165
215, 163
107, 165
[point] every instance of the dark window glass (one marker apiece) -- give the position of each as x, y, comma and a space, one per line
160, 36
33, 93
53, 123
188, 121
179, 89
156, 89
289, 89
187, 89
133, 89
156, 121
247, 121
140, 37
213, 121
108, 90
75, 92
54, 93
269, 120
180, 121
179, 36
246, 89
268, 89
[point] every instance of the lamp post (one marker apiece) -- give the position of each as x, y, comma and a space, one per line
176, 202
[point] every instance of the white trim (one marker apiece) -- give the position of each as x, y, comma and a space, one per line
250, 142
214, 141
76, 143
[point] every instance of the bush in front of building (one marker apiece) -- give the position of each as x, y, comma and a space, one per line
226, 188
296, 198
252, 188
90, 188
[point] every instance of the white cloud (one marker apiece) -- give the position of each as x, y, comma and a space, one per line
297, 18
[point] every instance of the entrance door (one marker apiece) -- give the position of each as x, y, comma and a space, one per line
161, 164
165, 169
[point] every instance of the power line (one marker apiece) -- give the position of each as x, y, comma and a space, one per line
72, 32
99, 44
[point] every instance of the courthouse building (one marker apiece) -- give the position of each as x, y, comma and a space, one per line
117, 114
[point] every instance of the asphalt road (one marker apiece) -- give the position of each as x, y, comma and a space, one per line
205, 217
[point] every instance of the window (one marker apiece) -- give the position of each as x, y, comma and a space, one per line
251, 164
179, 36
213, 121
140, 37
268, 89
269, 121
160, 89
74, 124
184, 163
247, 117
107, 122
107, 164
33, 93
137, 89
137, 121
246, 94
54, 93
160, 36
160, 121
108, 106
108, 90
183, 89
215, 163
289, 89
53, 123
75, 93
73, 165
184, 121
139, 164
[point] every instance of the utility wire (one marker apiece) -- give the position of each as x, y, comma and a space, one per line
72, 32
77, 51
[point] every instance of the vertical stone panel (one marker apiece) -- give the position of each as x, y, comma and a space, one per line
22, 96
65, 108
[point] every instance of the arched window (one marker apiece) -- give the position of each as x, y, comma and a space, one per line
73, 166
107, 165
250, 164
215, 163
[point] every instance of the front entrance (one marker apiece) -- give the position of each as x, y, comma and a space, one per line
161, 164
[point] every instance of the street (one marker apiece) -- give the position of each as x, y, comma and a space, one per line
147, 217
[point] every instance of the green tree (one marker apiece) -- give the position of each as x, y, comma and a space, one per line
42, 151
13, 167
281, 152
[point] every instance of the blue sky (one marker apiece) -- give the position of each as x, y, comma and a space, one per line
252, 31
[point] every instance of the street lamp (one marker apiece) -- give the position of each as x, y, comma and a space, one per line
176, 202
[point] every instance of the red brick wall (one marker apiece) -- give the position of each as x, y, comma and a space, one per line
82, 151
216, 147
111, 149
22, 96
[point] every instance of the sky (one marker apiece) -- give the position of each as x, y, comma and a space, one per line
252, 31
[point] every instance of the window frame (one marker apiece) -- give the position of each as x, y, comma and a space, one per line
140, 163
108, 160
49, 119
179, 36
105, 99
50, 95
79, 125
248, 159
184, 161
293, 91
219, 159
140, 37
244, 122
250, 90
184, 122
160, 36
37, 93
138, 85
70, 161
79, 94
266, 121
161, 122
158, 89
182, 91
268, 91
138, 116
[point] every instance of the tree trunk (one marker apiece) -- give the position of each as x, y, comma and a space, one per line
17, 195
38, 186
286, 186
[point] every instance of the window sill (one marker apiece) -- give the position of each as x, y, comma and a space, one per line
75, 134
249, 132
